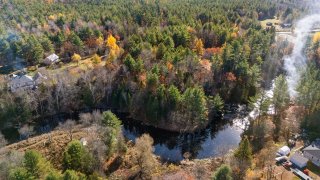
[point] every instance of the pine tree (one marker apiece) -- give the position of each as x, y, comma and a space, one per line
244, 151
35, 164
281, 97
223, 173
19, 174
161, 51
76, 157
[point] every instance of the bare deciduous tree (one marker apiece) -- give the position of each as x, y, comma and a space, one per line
67, 126
98, 150
97, 117
86, 119
144, 156
11, 159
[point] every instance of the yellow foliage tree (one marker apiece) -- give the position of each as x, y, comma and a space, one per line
76, 58
111, 56
52, 17
60, 15
316, 37
96, 59
112, 42
114, 49
198, 46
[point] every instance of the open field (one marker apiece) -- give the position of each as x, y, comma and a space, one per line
50, 145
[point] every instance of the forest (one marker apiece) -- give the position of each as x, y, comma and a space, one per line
173, 65
162, 65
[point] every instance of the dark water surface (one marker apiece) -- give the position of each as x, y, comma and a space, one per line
218, 138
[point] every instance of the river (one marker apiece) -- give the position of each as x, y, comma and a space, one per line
222, 135
218, 138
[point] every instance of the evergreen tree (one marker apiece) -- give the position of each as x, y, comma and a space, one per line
216, 104
174, 97
4, 47
308, 89
53, 176
111, 120
223, 173
77, 158
35, 164
73, 175
281, 97
111, 135
195, 102
244, 151
19, 174
129, 62
47, 44
161, 51
168, 42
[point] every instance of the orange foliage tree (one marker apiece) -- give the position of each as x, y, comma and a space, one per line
230, 76
211, 51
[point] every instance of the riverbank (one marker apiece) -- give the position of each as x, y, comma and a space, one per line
52, 145
216, 139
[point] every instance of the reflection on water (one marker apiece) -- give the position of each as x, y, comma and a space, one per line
218, 138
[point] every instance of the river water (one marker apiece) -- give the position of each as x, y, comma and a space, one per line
221, 136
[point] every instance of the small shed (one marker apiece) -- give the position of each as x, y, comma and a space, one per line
285, 150
53, 58
298, 160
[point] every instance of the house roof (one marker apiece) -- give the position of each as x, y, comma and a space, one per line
22, 78
314, 148
53, 57
298, 158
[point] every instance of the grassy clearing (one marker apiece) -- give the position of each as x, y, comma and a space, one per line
72, 67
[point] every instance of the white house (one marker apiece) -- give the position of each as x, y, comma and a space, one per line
25, 82
53, 58
312, 152
285, 150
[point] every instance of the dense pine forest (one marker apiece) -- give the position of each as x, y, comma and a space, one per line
170, 64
